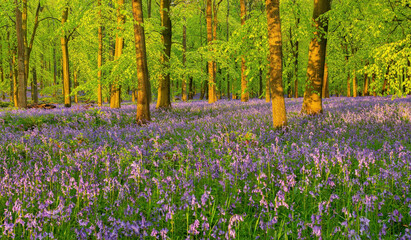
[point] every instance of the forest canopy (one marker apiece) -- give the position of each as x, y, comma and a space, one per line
368, 48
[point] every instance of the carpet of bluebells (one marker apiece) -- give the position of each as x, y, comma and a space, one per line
205, 171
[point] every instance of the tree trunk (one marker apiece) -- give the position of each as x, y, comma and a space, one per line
260, 90
15, 81
191, 90
244, 91
34, 89
55, 71
100, 59
26, 55
143, 104
373, 80
267, 82
183, 82
228, 38
115, 101
296, 53
211, 78
365, 92
385, 84
275, 44
315, 71
65, 62
3, 95
163, 100
21, 100
75, 86
325, 93
148, 8
354, 84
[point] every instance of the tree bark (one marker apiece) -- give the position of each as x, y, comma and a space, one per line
275, 44
244, 91
191, 90
21, 100
348, 86
55, 71
164, 89
148, 8
183, 82
385, 84
312, 103
65, 62
143, 104
100, 58
115, 96
267, 82
354, 84
15, 81
296, 53
3, 96
34, 88
228, 38
211, 78
75, 86
365, 92
26, 54
325, 93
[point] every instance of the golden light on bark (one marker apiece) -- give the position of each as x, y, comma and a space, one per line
312, 103
275, 44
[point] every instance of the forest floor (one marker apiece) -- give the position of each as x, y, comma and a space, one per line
205, 171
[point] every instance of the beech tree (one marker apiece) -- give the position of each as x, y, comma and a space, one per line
275, 44
163, 100
244, 91
316, 60
115, 97
143, 103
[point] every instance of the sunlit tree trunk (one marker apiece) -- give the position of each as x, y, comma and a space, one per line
244, 91
115, 96
275, 44
15, 81
164, 90
365, 92
143, 104
100, 58
315, 71
215, 24
65, 62
21, 100
183, 82
211, 78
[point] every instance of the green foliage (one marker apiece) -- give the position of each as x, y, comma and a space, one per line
364, 37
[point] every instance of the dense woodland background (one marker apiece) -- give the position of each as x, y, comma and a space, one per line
368, 48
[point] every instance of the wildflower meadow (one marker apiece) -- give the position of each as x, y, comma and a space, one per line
203, 171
